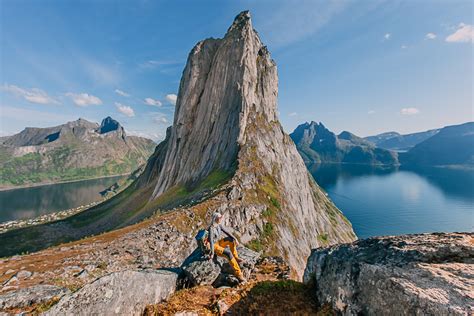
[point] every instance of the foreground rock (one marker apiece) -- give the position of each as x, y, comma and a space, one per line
428, 274
218, 272
120, 293
37, 294
269, 291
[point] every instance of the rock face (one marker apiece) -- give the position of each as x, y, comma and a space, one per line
317, 144
200, 271
226, 123
428, 274
72, 151
226, 152
120, 293
32, 295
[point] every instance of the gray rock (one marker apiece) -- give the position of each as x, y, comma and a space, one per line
119, 293
31, 295
24, 274
426, 274
226, 120
200, 271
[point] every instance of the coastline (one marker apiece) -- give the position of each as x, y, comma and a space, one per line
33, 185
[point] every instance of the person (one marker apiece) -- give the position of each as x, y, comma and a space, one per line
225, 247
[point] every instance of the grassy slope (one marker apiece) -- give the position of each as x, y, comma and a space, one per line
52, 166
128, 207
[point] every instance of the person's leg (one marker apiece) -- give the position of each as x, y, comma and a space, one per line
229, 242
223, 244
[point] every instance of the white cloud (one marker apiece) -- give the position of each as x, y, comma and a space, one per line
29, 117
122, 93
125, 109
152, 102
403, 47
409, 111
293, 114
99, 72
289, 22
150, 64
160, 120
370, 112
171, 98
464, 34
84, 99
387, 36
33, 95
430, 36
151, 135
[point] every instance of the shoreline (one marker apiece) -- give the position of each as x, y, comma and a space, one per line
33, 185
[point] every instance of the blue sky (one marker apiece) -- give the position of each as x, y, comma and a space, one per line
363, 66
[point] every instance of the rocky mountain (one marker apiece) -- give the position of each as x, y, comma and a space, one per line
226, 152
72, 151
425, 274
452, 145
396, 141
317, 144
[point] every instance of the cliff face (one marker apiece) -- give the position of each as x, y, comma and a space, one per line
226, 122
227, 152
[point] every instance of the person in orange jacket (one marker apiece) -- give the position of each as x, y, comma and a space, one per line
225, 247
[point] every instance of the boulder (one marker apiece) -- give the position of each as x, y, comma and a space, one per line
37, 294
200, 271
425, 274
120, 293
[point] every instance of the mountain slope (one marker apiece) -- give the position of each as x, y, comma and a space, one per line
452, 145
317, 144
227, 152
72, 151
396, 141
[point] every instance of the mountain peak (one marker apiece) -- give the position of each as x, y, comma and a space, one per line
241, 21
108, 125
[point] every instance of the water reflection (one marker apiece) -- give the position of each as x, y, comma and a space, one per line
32, 202
385, 201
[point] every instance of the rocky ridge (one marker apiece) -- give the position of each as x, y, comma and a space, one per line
73, 151
426, 274
231, 84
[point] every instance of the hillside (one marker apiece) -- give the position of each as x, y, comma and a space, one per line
399, 142
452, 145
73, 151
227, 152
317, 144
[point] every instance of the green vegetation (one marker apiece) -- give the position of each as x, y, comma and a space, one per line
255, 245
323, 238
53, 166
269, 287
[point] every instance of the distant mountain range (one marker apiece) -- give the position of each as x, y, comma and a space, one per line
398, 142
451, 145
317, 144
72, 151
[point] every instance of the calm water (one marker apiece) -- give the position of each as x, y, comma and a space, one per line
399, 201
32, 202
